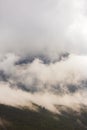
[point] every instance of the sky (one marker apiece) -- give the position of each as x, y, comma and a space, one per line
36, 26
43, 53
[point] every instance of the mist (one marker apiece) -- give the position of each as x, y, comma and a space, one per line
48, 85
47, 27
43, 53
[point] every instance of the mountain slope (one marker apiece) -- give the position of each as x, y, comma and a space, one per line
23, 119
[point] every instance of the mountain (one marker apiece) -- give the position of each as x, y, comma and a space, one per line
12, 118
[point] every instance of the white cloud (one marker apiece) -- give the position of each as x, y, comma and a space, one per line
48, 84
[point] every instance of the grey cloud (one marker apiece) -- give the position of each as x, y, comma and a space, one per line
30, 27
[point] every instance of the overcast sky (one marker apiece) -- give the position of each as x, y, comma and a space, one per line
40, 25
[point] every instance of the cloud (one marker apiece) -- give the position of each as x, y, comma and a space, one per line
19, 98
38, 76
43, 52
48, 85
47, 27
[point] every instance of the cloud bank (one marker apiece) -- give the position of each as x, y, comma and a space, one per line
48, 85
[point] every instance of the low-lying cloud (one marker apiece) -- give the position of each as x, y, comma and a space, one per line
62, 82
